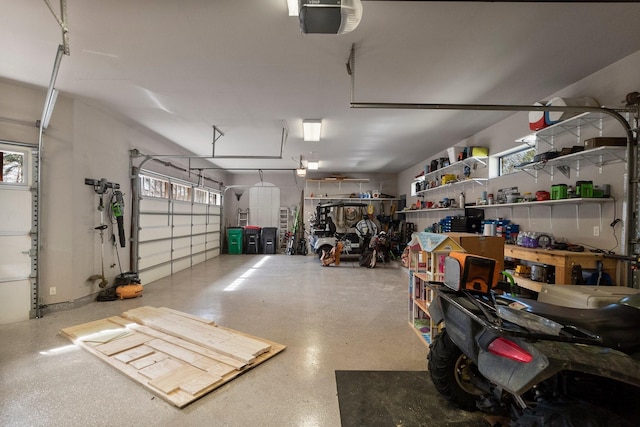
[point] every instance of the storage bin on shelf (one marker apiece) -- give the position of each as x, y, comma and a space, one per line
584, 189
558, 191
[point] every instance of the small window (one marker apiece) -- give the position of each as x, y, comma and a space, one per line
181, 192
214, 198
508, 162
200, 196
154, 187
12, 167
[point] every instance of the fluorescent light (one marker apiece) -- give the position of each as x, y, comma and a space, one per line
301, 172
48, 109
313, 165
311, 129
293, 7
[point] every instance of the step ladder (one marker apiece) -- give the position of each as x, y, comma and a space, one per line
243, 217
283, 227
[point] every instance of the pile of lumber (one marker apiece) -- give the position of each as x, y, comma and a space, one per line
178, 356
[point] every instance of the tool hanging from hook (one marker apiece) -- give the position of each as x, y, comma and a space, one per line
103, 188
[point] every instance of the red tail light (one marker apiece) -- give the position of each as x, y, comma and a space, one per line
505, 348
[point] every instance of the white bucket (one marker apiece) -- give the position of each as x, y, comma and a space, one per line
552, 117
453, 154
536, 118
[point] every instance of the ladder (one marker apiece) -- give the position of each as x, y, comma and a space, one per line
243, 217
283, 226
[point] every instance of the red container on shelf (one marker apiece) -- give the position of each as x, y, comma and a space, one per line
536, 119
543, 195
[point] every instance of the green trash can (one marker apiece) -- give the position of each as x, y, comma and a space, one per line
234, 240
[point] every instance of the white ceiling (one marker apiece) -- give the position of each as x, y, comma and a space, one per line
181, 67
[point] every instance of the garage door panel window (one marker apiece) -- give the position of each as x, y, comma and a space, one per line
13, 167
154, 187
151, 186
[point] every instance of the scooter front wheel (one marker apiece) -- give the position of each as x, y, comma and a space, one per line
324, 249
451, 373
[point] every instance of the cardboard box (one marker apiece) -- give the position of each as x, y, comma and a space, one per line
486, 246
601, 141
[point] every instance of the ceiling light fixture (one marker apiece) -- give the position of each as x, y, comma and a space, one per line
48, 109
329, 16
313, 165
311, 129
293, 7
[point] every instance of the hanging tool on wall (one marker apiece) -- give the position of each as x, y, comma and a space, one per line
102, 187
117, 209
103, 280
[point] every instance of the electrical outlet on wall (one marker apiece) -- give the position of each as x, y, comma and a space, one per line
596, 230
52, 290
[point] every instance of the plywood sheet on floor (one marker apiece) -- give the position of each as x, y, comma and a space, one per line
178, 356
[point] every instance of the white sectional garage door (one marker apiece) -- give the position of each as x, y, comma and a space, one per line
15, 238
175, 235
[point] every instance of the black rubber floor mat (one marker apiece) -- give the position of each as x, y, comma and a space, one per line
397, 398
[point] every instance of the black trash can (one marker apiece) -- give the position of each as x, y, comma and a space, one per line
252, 239
269, 239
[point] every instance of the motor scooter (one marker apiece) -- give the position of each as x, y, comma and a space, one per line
535, 363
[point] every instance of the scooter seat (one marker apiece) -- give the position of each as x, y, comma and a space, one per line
616, 324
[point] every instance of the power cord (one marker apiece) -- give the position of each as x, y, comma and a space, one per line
613, 224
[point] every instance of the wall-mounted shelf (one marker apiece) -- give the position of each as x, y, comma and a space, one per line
432, 210
337, 183
576, 201
453, 185
338, 180
353, 199
572, 125
550, 203
599, 157
456, 168
472, 162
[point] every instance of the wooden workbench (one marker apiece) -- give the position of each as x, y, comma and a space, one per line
562, 260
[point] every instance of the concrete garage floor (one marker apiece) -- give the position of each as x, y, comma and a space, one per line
330, 318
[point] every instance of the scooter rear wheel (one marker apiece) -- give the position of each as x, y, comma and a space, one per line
324, 248
450, 372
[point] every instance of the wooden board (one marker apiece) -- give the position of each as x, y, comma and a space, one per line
233, 345
177, 356
124, 343
182, 343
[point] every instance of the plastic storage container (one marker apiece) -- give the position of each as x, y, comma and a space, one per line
234, 240
558, 191
584, 189
269, 238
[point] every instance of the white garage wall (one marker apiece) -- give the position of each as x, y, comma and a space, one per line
83, 140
